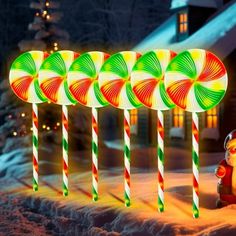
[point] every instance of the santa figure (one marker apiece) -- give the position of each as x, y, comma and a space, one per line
226, 172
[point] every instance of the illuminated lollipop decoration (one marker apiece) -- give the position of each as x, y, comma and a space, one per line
83, 85
53, 82
147, 81
24, 83
196, 81
114, 83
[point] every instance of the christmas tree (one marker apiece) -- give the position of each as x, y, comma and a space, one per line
48, 36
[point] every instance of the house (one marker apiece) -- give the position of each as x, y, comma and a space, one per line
210, 25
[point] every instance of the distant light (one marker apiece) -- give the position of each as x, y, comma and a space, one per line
44, 126
55, 44
31, 128
37, 14
47, 4
55, 48
49, 102
48, 17
23, 114
45, 12
14, 133
51, 51
48, 128
58, 124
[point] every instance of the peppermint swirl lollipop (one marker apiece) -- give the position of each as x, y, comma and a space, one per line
83, 84
114, 82
24, 76
83, 79
196, 80
147, 81
24, 83
53, 77
53, 82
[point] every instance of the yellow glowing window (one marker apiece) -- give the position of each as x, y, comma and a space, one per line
212, 118
183, 23
134, 117
178, 117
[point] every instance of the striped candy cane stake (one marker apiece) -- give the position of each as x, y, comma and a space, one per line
35, 146
95, 154
65, 149
127, 156
160, 154
195, 157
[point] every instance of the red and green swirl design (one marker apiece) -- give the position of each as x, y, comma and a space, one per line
53, 77
147, 79
114, 80
24, 76
83, 79
196, 80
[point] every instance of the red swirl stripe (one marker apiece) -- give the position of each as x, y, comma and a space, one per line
80, 90
21, 86
144, 91
50, 88
213, 68
126, 127
111, 90
95, 125
178, 92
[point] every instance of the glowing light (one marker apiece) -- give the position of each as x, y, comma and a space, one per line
23, 114
14, 133
47, 4
55, 48
45, 12
49, 102
37, 14
55, 44
31, 128
44, 126
48, 17
58, 124
51, 51
48, 128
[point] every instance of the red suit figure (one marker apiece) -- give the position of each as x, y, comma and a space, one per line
226, 172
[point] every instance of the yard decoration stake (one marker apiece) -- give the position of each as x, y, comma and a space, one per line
83, 85
147, 81
196, 81
24, 83
53, 82
114, 83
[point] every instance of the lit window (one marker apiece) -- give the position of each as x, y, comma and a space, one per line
212, 118
183, 23
178, 117
134, 121
134, 117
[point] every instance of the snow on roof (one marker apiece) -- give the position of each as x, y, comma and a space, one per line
182, 3
217, 35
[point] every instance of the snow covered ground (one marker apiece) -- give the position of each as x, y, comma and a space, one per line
47, 212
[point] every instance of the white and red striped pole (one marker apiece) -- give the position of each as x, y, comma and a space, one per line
160, 156
65, 149
127, 156
35, 146
95, 154
195, 163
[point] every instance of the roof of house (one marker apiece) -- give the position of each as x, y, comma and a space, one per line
217, 35
182, 3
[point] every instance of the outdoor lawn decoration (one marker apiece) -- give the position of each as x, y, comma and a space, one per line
83, 85
53, 82
114, 82
147, 80
24, 83
196, 81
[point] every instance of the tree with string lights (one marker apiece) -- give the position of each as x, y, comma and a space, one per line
48, 37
